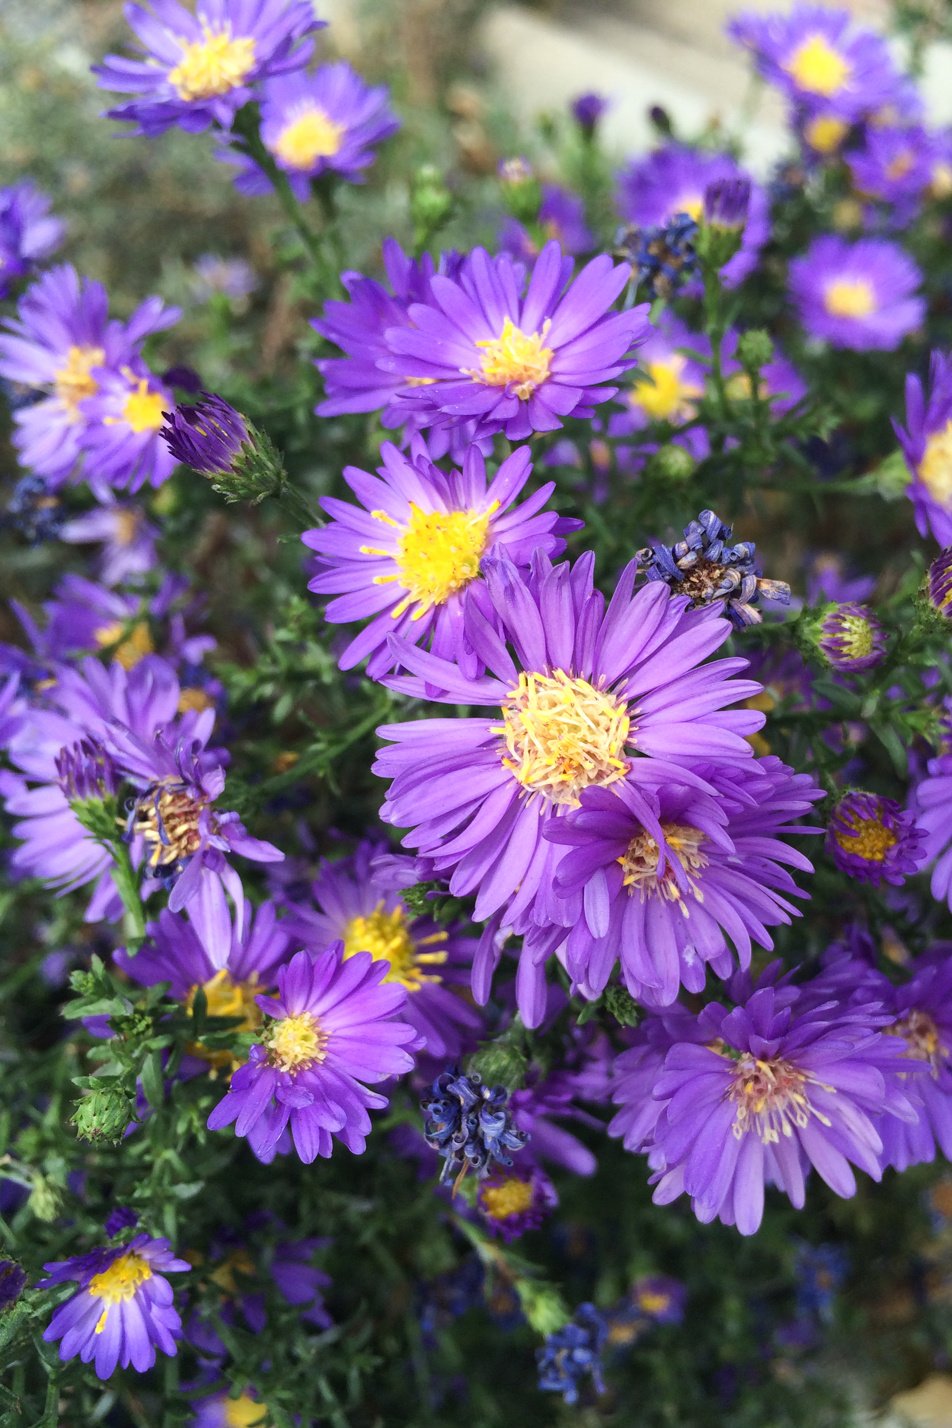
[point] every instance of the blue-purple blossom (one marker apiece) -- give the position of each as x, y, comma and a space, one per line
861, 295
873, 840
28, 232
573, 1354
512, 1202
926, 442
933, 807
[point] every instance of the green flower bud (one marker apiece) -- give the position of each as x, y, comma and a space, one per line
671, 464
103, 1114
754, 349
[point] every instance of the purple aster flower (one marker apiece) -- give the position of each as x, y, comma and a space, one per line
122, 1311
859, 295
325, 122
820, 59
540, 1109
516, 361
659, 1298
331, 1028
664, 879
593, 696
127, 538
670, 380
229, 1410
850, 637
411, 556
121, 443
208, 435
470, 1125
871, 839
561, 217
926, 442
713, 573
775, 1086
515, 1201
895, 166
201, 68
923, 1025
28, 232
354, 902
62, 343
587, 109
933, 807
573, 1354
214, 276
673, 180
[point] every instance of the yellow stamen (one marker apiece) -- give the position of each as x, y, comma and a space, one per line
515, 359
692, 204
825, 134
386, 936
850, 297
74, 382
119, 1282
923, 1039
130, 646
935, 468
296, 1043
666, 395
213, 65
142, 410
562, 735
866, 838
512, 1196
312, 135
438, 553
817, 67
772, 1098
641, 859
244, 1412
226, 997
650, 1301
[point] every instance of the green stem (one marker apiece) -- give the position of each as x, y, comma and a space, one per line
127, 885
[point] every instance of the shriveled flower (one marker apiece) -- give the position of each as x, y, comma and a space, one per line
653, 191
663, 256
573, 1355
28, 232
200, 68
850, 637
860, 295
712, 572
412, 557
123, 1309
470, 1125
331, 1028
317, 123
872, 839
593, 695
926, 442
515, 1201
516, 357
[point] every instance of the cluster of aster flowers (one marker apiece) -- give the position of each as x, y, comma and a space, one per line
600, 743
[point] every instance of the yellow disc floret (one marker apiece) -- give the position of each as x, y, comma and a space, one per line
244, 1412
641, 860
296, 1043
119, 1282
849, 297
511, 1196
562, 735
935, 468
817, 67
866, 838
515, 359
825, 133
73, 382
438, 553
126, 645
310, 136
213, 65
387, 937
772, 1098
666, 395
143, 408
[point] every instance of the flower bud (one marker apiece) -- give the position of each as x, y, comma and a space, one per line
587, 110
754, 349
103, 1114
935, 595
219, 443
431, 202
849, 637
521, 189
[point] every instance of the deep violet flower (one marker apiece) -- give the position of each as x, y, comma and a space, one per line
873, 840
331, 1027
860, 295
512, 1202
409, 555
28, 232
926, 442
573, 1354
923, 1026
593, 695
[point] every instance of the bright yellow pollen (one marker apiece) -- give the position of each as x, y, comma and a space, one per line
849, 297
386, 936
119, 1282
692, 205
641, 859
296, 1043
512, 1196
243, 1412
167, 818
772, 1098
309, 137
212, 65
652, 1302
867, 838
562, 735
129, 648
515, 359
825, 134
935, 468
438, 553
74, 382
142, 409
226, 997
192, 698
817, 67
666, 396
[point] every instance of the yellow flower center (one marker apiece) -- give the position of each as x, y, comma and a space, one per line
119, 1282
825, 134
641, 859
127, 526
817, 67
651, 1301
226, 997
243, 1412
195, 699
386, 936
167, 818
562, 735
129, 647
940, 184
850, 297
74, 381
515, 359
692, 204
866, 838
935, 468
309, 137
437, 554
771, 1098
666, 395
212, 65
512, 1196
923, 1039
142, 409
296, 1043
